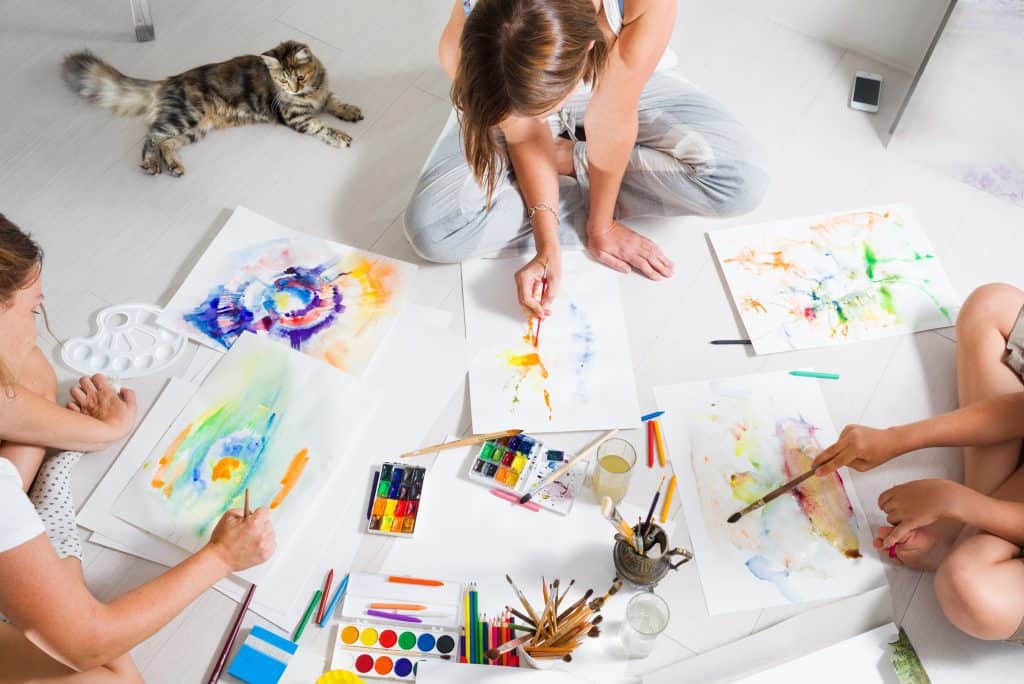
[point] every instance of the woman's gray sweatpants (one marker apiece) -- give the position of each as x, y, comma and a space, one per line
691, 158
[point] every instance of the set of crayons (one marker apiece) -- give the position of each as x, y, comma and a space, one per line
487, 641
656, 443
395, 499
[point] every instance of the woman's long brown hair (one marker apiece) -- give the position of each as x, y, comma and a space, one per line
520, 57
20, 259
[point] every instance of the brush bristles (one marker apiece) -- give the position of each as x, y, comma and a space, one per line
735, 517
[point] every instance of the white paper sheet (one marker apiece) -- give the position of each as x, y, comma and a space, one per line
441, 672
329, 300
266, 419
735, 440
421, 366
464, 532
863, 659
825, 280
580, 375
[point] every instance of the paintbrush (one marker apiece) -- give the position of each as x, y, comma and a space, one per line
245, 510
472, 439
612, 515
543, 293
568, 465
776, 493
561, 598
495, 653
526, 604
574, 607
650, 514
598, 603
530, 623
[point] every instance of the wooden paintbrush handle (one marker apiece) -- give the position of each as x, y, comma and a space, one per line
473, 439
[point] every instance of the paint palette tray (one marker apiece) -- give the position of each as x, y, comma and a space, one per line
371, 664
395, 500
128, 344
517, 464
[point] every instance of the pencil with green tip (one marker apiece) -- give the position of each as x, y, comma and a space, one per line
305, 617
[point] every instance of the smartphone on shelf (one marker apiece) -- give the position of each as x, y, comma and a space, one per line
867, 89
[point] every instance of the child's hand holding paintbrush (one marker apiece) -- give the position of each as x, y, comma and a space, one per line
537, 284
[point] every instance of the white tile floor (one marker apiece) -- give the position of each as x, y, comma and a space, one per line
68, 172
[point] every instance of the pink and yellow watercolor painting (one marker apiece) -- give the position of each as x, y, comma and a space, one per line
743, 437
267, 420
577, 375
321, 298
833, 279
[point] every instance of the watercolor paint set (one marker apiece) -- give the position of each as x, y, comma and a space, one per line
518, 463
394, 501
389, 624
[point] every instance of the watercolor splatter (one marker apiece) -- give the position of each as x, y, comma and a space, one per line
584, 349
528, 370
322, 309
737, 458
1000, 180
834, 279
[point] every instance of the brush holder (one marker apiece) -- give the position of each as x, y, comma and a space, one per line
646, 570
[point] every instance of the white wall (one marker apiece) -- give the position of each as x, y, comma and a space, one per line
896, 32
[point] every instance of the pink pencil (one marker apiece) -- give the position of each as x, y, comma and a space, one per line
323, 599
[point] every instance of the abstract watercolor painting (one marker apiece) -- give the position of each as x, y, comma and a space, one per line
736, 440
836, 278
266, 419
578, 375
322, 298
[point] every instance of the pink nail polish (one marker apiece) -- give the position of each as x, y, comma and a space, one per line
892, 551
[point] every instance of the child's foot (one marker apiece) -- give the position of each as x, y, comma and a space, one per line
563, 157
925, 548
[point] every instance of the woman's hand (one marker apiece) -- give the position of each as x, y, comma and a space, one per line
860, 447
530, 282
622, 249
921, 502
96, 397
241, 542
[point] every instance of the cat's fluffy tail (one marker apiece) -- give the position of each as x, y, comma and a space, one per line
99, 83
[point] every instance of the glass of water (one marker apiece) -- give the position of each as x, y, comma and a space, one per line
615, 461
647, 616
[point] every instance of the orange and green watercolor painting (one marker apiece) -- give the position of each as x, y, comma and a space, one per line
828, 280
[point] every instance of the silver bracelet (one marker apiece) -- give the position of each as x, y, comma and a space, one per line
542, 207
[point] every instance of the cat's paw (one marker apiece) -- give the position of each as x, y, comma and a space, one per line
151, 166
175, 168
336, 138
347, 112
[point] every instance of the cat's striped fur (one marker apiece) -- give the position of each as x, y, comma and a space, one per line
287, 84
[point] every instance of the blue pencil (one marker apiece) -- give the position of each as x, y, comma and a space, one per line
651, 416
334, 602
815, 374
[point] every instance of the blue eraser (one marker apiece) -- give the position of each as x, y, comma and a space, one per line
263, 657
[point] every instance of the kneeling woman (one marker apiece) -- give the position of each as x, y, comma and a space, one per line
58, 631
579, 96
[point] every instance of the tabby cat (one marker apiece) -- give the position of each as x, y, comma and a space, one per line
287, 84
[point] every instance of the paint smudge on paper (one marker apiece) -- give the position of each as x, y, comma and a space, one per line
322, 308
737, 458
528, 370
840, 278
584, 349
1000, 180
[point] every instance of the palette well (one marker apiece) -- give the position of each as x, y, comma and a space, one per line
376, 664
411, 641
394, 500
517, 464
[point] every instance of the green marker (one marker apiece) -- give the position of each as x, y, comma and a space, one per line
813, 374
305, 618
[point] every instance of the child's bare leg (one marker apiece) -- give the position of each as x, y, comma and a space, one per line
36, 377
23, 661
983, 327
980, 585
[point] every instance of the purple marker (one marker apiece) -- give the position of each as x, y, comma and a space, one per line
392, 616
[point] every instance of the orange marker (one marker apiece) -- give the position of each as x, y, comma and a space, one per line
397, 606
415, 580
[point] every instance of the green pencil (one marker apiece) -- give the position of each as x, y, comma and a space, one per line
305, 618
814, 374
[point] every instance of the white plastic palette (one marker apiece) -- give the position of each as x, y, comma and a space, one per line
128, 344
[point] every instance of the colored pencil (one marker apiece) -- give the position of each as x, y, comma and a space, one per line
393, 616
543, 294
305, 616
568, 465
469, 640
373, 494
730, 341
815, 374
650, 444
462, 649
415, 580
514, 660
232, 635
512, 498
472, 439
398, 606
338, 593
323, 598
661, 442
484, 640
668, 500
473, 634
651, 416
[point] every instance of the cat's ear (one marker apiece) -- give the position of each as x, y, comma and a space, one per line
303, 55
271, 62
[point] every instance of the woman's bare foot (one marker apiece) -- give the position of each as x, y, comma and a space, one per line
926, 547
563, 157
